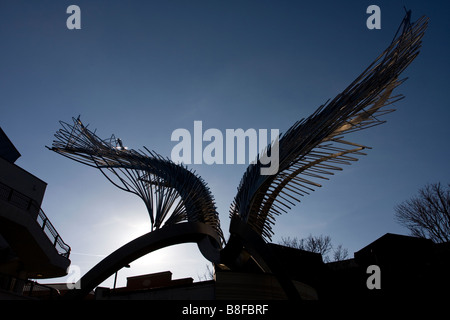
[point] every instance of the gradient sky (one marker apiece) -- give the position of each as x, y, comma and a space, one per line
141, 69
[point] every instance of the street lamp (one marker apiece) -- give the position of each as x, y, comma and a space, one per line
115, 276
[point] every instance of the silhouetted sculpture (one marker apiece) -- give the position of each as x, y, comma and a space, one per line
180, 204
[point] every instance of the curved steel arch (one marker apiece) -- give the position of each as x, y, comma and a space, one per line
198, 232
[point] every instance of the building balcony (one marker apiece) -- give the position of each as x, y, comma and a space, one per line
34, 248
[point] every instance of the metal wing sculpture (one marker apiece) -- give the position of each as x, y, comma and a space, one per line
180, 204
314, 148
171, 192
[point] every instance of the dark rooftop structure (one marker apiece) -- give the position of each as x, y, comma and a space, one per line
7, 150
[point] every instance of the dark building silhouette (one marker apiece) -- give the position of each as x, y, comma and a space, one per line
410, 267
30, 247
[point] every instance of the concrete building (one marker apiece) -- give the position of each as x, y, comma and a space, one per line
30, 247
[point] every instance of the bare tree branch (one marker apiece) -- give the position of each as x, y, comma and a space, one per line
340, 253
317, 244
428, 214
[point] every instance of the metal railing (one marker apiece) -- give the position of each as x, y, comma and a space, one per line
22, 201
51, 233
27, 288
39, 291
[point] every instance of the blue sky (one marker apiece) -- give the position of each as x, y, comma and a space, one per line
141, 69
